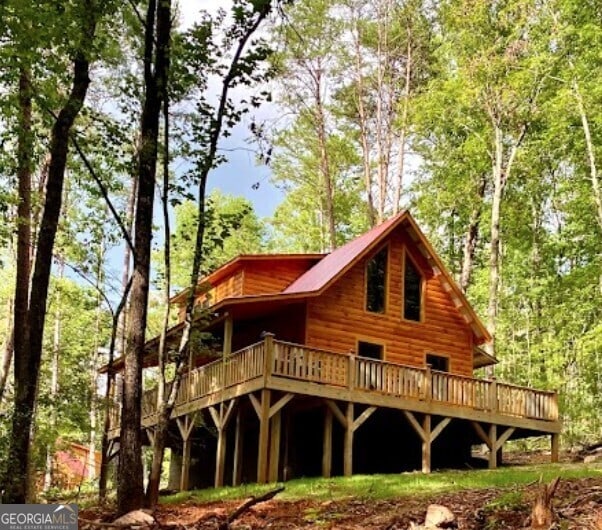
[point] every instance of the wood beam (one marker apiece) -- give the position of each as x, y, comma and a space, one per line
256, 405
555, 448
426, 444
327, 444
348, 447
439, 428
238, 450
493, 446
220, 457
264, 436
481, 433
185, 471
362, 418
414, 423
504, 438
275, 424
282, 402
337, 412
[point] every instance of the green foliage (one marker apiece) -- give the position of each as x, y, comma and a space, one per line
232, 228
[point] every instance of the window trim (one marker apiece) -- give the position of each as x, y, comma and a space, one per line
443, 356
386, 246
370, 340
406, 255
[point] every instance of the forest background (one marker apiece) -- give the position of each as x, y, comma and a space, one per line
483, 118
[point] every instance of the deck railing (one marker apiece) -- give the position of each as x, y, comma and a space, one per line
274, 358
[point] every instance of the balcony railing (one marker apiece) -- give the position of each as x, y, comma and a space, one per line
273, 358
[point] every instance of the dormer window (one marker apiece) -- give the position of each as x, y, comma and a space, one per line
376, 282
412, 291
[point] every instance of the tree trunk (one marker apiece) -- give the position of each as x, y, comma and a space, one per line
7, 350
472, 237
16, 485
363, 125
29, 350
325, 164
54, 382
501, 172
127, 259
404, 124
152, 490
593, 171
130, 492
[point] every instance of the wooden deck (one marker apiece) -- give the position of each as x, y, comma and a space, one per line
281, 366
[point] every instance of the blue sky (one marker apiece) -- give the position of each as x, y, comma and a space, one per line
238, 175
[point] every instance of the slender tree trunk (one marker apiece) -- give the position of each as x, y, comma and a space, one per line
472, 237
17, 484
28, 355
7, 350
382, 174
404, 125
127, 262
130, 491
168, 401
325, 162
501, 172
94, 359
363, 124
593, 171
54, 381
152, 491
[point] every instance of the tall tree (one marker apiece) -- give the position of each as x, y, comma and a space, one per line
157, 36
28, 351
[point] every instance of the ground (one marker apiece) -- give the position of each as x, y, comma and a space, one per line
480, 499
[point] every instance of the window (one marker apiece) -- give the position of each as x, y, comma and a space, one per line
437, 362
370, 350
376, 282
412, 291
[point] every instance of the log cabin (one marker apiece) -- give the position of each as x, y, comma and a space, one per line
358, 361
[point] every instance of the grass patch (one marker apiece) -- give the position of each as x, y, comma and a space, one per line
391, 486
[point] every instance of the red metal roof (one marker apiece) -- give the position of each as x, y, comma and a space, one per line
329, 267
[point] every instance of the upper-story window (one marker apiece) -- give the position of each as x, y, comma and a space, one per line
412, 291
376, 282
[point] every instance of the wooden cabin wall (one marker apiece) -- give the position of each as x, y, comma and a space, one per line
337, 319
287, 324
273, 276
231, 285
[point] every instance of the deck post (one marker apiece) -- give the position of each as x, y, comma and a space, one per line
555, 448
426, 444
268, 356
185, 473
428, 383
327, 444
238, 450
275, 428
185, 426
351, 372
228, 329
493, 447
348, 448
220, 461
493, 404
264, 437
